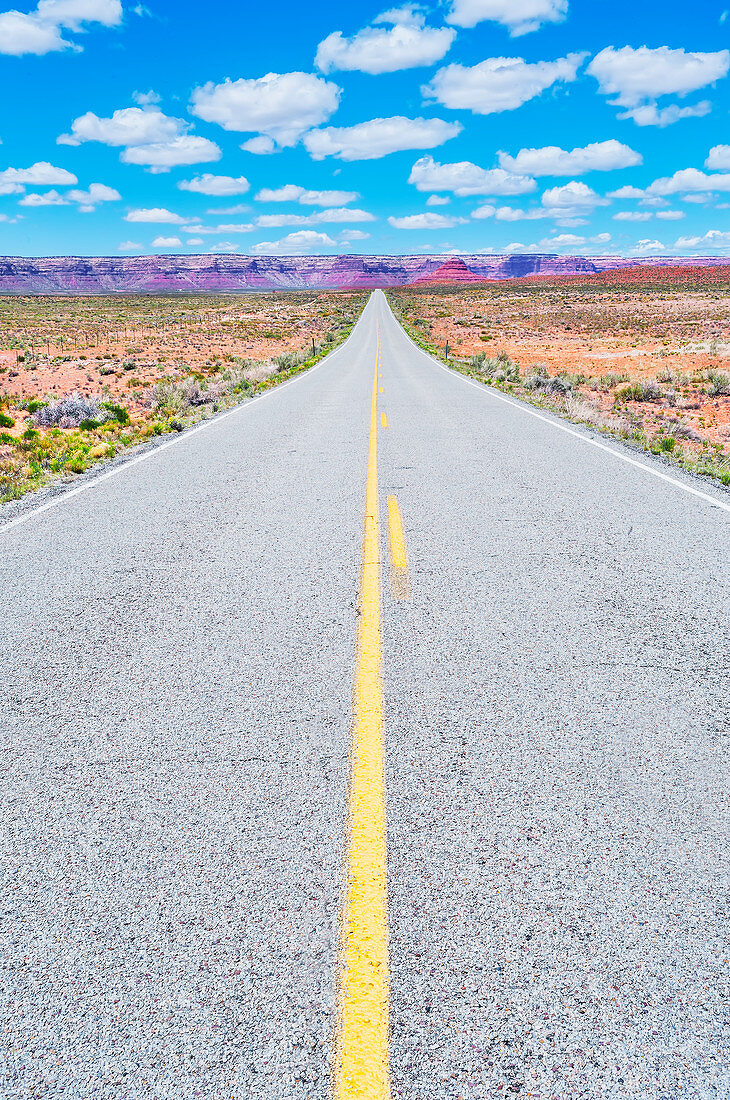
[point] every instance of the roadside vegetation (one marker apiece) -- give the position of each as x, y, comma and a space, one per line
72, 396
644, 365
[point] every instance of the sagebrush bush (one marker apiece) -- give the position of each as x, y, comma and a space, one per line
681, 430
675, 377
639, 391
170, 398
577, 409
194, 393
500, 368
610, 380
545, 383
719, 383
69, 412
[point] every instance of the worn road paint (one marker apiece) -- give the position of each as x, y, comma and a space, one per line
384, 420
400, 585
361, 1069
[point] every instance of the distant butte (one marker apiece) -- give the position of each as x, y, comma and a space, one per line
453, 271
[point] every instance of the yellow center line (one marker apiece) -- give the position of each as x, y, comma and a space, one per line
384, 420
361, 1069
382, 390
400, 585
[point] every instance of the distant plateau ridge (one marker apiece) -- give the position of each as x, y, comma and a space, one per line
213, 274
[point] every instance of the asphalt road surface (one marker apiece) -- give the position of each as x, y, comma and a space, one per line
177, 661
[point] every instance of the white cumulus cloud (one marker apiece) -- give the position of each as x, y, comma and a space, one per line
184, 150
638, 78
567, 205
47, 198
633, 216
714, 238
690, 180
146, 99
574, 243
602, 156
573, 195
260, 145
279, 107
291, 192
627, 192
349, 235
342, 214
563, 240
156, 215
332, 215
167, 242
40, 174
278, 221
147, 137
647, 247
41, 31
425, 221
379, 137
499, 83
294, 244
719, 158
406, 44
464, 178
288, 192
515, 214
221, 230
209, 184
97, 193
74, 13
519, 16
649, 114
127, 126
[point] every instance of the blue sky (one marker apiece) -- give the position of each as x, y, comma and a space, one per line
571, 126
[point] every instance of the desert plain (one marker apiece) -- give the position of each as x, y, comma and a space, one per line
82, 378
642, 354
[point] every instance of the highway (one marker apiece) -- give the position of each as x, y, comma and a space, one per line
369, 741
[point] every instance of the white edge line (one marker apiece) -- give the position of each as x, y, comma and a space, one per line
182, 438
569, 431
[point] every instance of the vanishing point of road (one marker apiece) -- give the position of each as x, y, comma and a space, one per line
370, 740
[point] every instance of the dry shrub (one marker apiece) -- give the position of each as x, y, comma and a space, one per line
258, 372
719, 383
69, 412
578, 409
